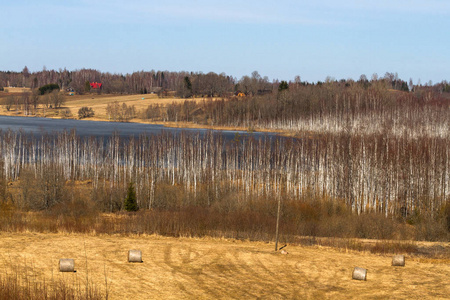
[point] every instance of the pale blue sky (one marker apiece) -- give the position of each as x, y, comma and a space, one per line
280, 39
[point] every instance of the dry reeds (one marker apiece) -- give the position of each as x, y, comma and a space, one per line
24, 285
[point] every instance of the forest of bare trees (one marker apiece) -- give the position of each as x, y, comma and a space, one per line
333, 107
187, 84
378, 148
143, 82
401, 176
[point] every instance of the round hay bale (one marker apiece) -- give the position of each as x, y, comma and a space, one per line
359, 273
134, 256
398, 260
66, 265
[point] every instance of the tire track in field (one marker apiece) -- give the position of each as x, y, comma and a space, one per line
237, 271
224, 269
277, 270
115, 268
263, 273
215, 272
189, 274
278, 281
246, 261
165, 273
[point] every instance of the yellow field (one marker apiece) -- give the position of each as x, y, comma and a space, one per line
186, 268
100, 102
15, 90
141, 101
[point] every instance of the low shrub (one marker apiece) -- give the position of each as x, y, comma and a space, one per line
85, 112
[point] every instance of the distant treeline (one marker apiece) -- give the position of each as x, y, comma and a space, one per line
329, 108
185, 84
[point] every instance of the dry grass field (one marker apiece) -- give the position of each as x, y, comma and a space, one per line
16, 90
187, 268
100, 102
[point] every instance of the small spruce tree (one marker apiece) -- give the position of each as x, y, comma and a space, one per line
283, 86
130, 201
87, 86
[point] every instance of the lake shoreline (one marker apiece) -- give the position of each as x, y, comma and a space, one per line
175, 125
37, 125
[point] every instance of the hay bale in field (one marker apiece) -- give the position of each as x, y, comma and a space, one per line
66, 265
398, 260
359, 273
134, 256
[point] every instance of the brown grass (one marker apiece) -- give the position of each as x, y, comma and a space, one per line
16, 90
140, 102
186, 268
23, 284
101, 101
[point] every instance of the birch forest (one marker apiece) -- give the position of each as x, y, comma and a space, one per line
371, 150
391, 176
377, 173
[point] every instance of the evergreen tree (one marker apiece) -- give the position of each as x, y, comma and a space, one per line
187, 83
48, 88
187, 91
87, 86
130, 201
283, 86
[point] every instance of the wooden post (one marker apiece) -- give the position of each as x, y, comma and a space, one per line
278, 223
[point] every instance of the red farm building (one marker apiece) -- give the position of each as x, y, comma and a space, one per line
95, 85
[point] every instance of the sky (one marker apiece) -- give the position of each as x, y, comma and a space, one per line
279, 39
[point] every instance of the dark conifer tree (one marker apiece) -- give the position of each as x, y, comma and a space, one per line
130, 201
